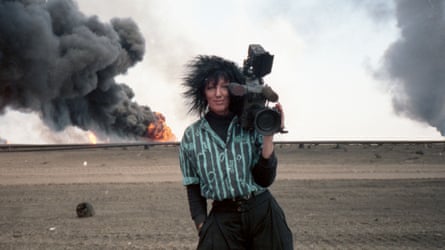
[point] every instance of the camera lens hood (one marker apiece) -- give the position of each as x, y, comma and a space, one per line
267, 121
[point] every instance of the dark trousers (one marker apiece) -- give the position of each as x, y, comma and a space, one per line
256, 223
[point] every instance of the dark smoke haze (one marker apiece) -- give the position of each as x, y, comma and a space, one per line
416, 62
58, 62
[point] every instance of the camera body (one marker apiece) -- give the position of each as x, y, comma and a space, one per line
256, 114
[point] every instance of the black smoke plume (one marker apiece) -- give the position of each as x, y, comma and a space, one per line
415, 63
58, 62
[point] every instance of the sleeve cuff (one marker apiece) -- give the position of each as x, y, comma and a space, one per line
190, 180
271, 162
199, 219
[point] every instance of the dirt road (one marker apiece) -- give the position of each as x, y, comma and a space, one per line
334, 196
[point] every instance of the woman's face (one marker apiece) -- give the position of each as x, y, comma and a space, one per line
217, 95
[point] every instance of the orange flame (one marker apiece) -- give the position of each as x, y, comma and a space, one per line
92, 137
159, 131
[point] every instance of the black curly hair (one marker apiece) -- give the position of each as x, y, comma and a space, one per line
204, 69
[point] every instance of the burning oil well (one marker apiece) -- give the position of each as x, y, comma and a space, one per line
61, 64
415, 62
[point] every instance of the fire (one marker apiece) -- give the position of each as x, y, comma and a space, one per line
92, 137
159, 131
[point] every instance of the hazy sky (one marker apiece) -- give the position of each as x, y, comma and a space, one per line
327, 59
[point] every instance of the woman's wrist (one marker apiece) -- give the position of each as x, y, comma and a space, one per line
268, 146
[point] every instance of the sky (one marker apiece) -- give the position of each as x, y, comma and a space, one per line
329, 65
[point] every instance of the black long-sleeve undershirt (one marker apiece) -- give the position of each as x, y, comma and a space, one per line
265, 171
197, 204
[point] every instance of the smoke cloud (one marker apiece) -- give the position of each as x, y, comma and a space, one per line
58, 62
415, 63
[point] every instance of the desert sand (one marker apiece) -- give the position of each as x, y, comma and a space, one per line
335, 196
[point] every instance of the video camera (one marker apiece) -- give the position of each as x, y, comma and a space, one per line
255, 114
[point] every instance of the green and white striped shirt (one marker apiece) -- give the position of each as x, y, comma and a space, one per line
222, 169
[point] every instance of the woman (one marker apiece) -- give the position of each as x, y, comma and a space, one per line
230, 165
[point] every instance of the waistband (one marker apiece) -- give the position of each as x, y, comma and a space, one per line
243, 203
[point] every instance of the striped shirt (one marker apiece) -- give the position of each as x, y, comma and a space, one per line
222, 169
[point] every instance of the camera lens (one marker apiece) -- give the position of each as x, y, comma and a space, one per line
267, 121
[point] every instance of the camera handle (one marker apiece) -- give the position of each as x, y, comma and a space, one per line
253, 87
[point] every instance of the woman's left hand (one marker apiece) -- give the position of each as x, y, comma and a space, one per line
279, 108
268, 139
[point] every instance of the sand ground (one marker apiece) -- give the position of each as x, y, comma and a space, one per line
361, 196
